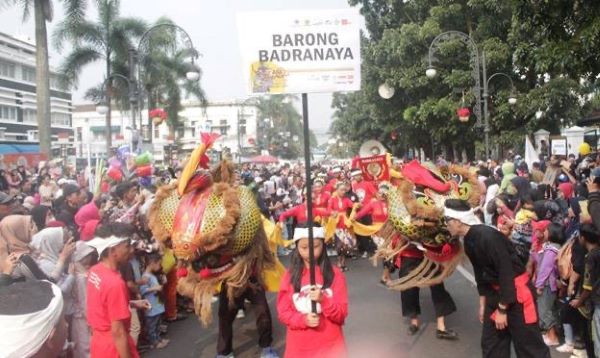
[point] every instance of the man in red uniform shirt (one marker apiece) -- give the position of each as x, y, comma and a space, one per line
108, 301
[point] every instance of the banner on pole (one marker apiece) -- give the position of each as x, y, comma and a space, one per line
300, 51
374, 168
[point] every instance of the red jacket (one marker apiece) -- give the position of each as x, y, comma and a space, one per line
377, 209
326, 340
299, 212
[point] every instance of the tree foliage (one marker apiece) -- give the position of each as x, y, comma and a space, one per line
515, 37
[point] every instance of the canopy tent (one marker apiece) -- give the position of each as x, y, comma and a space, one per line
264, 159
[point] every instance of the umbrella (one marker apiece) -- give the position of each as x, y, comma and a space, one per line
264, 159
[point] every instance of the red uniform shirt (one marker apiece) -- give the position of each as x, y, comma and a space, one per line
321, 200
326, 340
330, 187
107, 302
365, 190
340, 205
376, 208
299, 212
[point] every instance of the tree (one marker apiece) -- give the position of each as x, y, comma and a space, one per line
110, 37
281, 122
423, 112
43, 12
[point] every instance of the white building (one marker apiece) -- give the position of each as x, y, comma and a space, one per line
18, 124
236, 124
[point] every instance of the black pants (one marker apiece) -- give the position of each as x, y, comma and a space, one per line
365, 243
581, 326
526, 338
227, 316
442, 301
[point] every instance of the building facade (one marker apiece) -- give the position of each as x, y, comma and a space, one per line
236, 125
18, 102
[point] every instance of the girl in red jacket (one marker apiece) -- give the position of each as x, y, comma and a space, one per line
313, 334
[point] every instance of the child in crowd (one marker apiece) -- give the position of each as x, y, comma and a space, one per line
313, 334
150, 292
546, 283
523, 229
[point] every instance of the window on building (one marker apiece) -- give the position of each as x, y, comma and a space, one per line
61, 119
180, 132
7, 69
29, 115
8, 113
79, 134
193, 132
156, 132
28, 74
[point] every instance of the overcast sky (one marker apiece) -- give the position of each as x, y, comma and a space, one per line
212, 27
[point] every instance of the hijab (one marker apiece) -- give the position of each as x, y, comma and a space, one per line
523, 187
86, 213
49, 243
39, 215
15, 234
566, 189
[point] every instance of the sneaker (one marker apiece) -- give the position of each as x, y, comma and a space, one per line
447, 334
240, 314
548, 342
579, 353
214, 299
565, 348
162, 344
365, 255
268, 352
230, 355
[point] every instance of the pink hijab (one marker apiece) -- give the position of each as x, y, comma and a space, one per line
87, 213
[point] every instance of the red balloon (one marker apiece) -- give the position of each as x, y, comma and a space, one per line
115, 174
144, 171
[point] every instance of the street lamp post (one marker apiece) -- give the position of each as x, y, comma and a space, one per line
479, 70
134, 61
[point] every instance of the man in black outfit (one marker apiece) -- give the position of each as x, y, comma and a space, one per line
506, 302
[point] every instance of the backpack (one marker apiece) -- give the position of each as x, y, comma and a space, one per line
563, 259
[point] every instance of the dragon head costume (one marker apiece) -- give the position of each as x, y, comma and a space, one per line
415, 217
215, 227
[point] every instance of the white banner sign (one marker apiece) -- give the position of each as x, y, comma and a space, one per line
300, 51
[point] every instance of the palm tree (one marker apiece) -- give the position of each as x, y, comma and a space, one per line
108, 38
43, 11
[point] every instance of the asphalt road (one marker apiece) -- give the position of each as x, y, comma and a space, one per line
375, 327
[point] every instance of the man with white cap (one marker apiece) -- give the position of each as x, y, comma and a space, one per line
506, 302
108, 311
32, 322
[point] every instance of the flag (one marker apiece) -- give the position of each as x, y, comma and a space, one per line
530, 153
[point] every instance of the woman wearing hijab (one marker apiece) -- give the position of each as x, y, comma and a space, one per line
41, 216
16, 232
55, 247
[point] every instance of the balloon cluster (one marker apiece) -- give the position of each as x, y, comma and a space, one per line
158, 116
128, 164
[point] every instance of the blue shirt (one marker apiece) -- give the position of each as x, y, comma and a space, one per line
152, 297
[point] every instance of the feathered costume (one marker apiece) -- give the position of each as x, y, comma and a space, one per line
216, 228
415, 217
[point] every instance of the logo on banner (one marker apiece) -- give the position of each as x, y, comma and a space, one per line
374, 168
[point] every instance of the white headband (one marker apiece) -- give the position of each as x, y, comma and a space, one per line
356, 172
23, 335
101, 244
302, 233
465, 217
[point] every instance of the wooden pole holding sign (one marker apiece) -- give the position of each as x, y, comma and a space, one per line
311, 238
